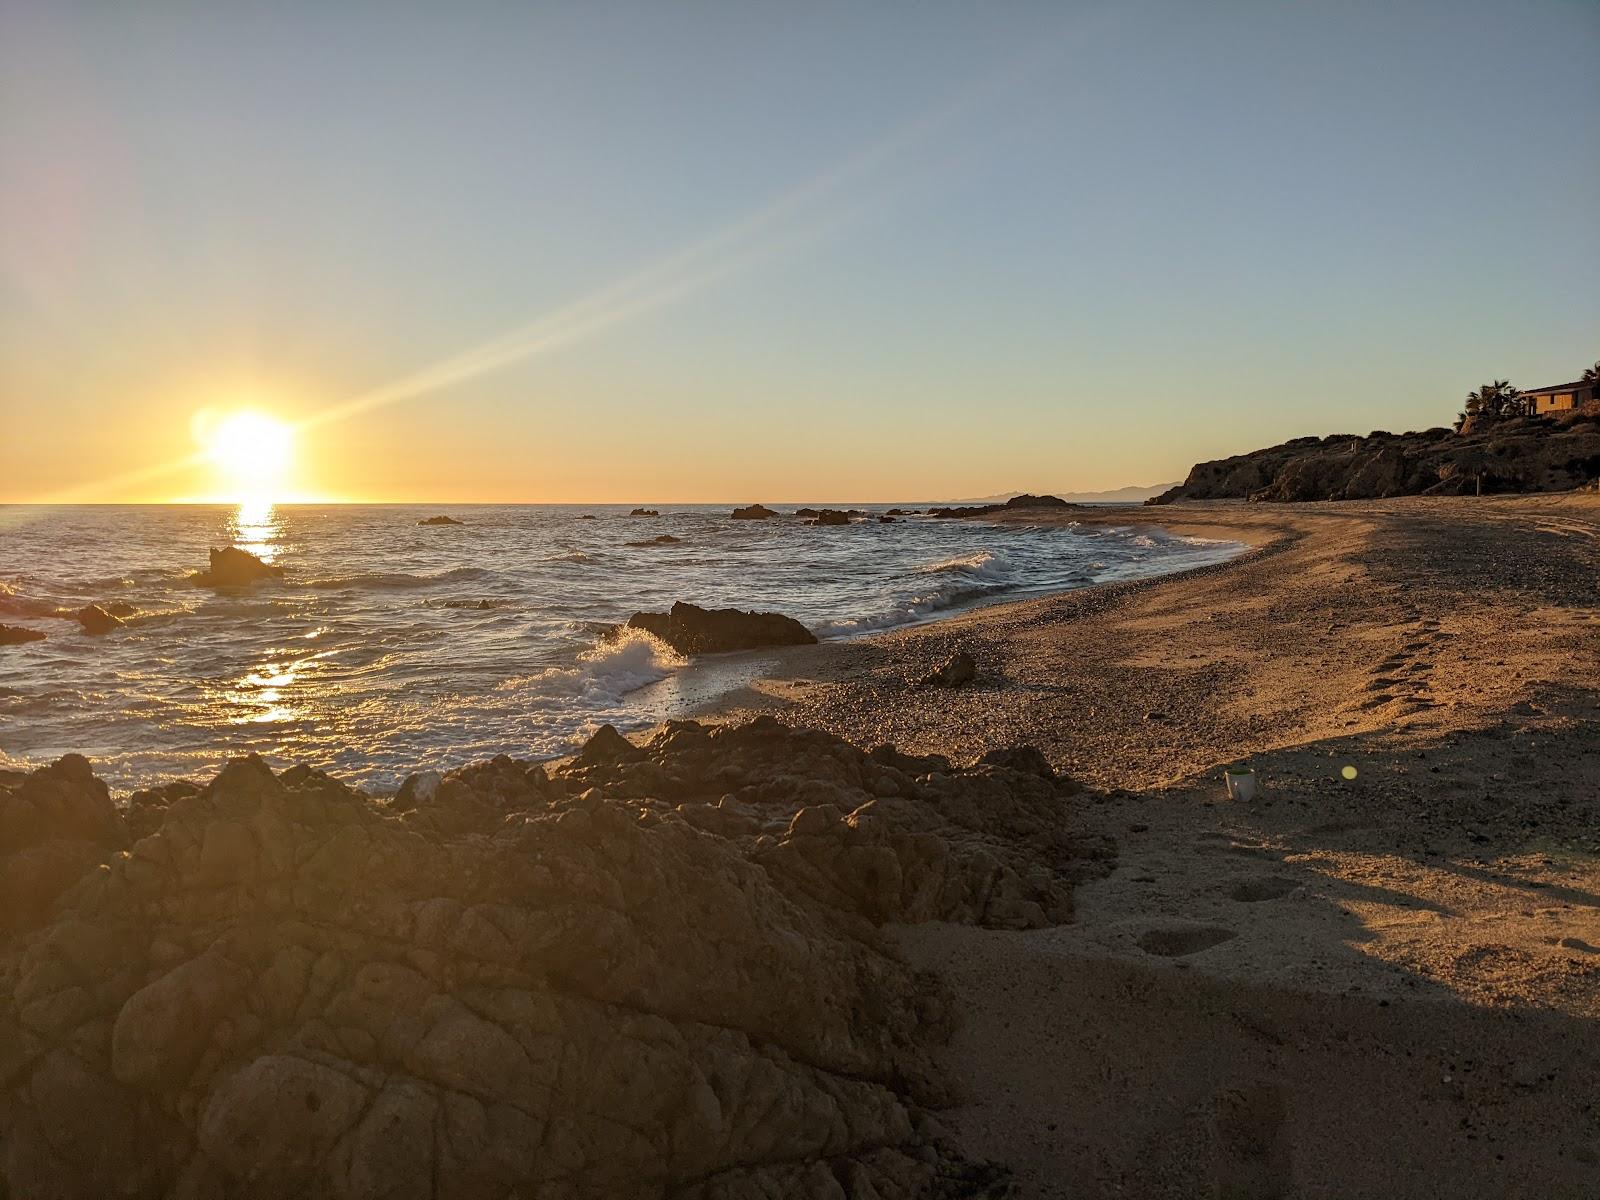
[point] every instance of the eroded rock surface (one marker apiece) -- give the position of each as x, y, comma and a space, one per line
647, 971
1523, 454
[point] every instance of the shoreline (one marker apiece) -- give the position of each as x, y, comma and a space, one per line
1346, 987
1034, 947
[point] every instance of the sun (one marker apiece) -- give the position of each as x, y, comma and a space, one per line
251, 453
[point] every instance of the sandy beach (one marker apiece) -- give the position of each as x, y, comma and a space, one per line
1384, 985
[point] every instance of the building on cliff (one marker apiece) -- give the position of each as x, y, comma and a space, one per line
1563, 397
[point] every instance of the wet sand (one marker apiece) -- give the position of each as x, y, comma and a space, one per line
1385, 985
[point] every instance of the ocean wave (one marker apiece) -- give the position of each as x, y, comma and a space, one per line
572, 556
981, 564
395, 580
913, 609
604, 673
15, 605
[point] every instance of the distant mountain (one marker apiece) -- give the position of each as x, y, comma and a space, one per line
1122, 495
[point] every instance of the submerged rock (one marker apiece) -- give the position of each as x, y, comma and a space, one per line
666, 539
690, 629
441, 519
650, 971
96, 620
233, 567
755, 512
16, 635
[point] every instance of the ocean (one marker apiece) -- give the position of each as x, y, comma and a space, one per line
390, 647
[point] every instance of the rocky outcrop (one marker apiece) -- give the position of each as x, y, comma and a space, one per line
16, 635
55, 824
830, 516
1016, 502
1523, 454
666, 539
690, 629
645, 512
232, 567
96, 620
650, 971
754, 512
441, 519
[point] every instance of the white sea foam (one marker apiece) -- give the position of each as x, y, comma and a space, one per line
603, 674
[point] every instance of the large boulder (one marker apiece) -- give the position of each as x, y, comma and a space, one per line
651, 971
754, 512
690, 629
831, 516
441, 519
645, 512
232, 567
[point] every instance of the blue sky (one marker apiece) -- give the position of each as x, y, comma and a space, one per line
974, 247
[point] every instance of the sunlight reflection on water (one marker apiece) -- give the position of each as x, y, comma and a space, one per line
256, 528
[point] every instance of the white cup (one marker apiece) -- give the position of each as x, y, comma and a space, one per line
1241, 785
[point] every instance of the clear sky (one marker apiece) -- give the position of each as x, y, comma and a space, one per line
740, 251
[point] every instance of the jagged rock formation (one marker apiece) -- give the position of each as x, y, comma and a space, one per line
754, 512
233, 567
690, 629
647, 972
16, 635
645, 512
1524, 454
441, 519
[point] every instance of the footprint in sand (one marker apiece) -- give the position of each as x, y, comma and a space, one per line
1180, 941
1268, 887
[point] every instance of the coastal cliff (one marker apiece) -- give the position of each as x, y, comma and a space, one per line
1523, 454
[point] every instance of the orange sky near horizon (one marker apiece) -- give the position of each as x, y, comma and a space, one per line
823, 253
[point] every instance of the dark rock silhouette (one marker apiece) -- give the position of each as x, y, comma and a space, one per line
1521, 454
978, 510
16, 635
233, 567
441, 519
96, 620
651, 970
755, 512
666, 539
690, 629
644, 512
831, 516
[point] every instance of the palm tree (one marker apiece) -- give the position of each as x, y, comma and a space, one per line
1592, 374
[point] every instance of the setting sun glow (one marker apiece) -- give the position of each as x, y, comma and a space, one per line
250, 452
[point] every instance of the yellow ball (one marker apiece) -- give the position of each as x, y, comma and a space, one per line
1348, 772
